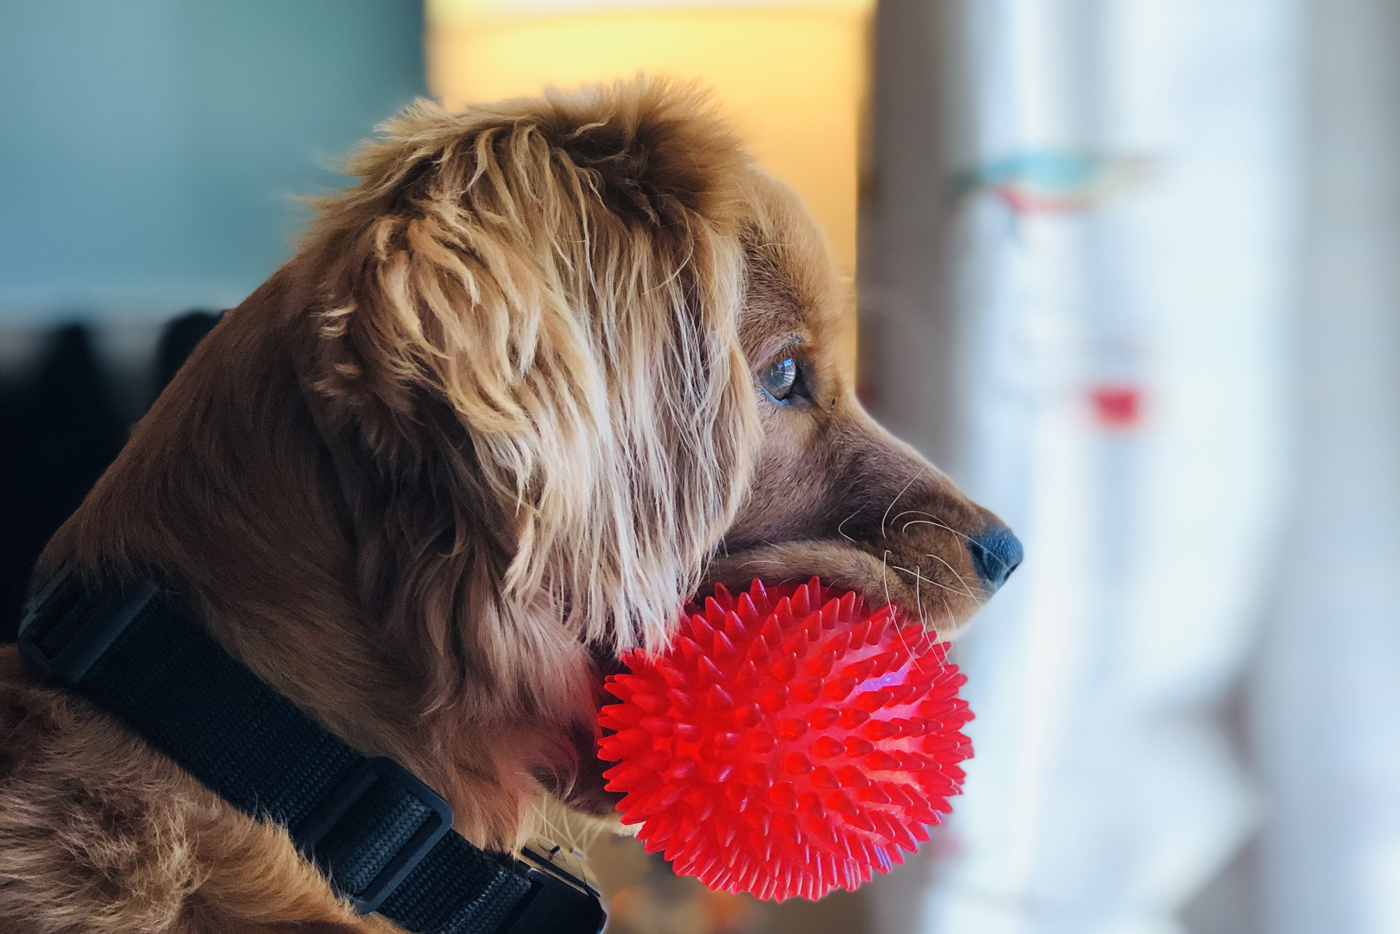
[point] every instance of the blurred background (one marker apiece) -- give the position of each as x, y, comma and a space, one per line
1128, 270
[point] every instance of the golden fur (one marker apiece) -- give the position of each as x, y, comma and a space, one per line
483, 433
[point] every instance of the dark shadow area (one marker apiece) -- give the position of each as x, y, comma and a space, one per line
61, 430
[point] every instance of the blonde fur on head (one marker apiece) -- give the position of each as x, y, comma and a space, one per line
528, 322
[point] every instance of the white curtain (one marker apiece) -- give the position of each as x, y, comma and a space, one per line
1119, 279
1327, 703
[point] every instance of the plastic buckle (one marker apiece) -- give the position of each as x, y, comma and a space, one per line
94, 624
561, 899
341, 802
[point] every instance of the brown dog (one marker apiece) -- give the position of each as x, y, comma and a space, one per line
549, 367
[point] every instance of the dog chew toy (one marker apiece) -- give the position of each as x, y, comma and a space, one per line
789, 741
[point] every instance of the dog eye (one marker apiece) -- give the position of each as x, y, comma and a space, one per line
780, 379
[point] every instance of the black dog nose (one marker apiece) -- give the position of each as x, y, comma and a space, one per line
995, 554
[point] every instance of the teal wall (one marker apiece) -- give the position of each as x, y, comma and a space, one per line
151, 150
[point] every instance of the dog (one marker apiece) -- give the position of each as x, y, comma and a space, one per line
545, 370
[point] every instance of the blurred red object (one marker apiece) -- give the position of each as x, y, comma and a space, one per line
1117, 405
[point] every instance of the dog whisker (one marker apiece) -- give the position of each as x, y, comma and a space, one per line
918, 597
885, 576
839, 528
939, 523
1001, 562
967, 591
935, 583
893, 501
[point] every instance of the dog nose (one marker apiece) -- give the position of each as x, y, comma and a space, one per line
995, 554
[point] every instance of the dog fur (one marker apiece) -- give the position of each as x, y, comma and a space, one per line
487, 430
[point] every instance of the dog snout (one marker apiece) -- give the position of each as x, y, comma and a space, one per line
996, 552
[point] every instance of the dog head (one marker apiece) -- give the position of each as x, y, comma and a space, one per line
574, 361
832, 493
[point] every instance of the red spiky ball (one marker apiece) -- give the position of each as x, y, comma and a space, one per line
788, 743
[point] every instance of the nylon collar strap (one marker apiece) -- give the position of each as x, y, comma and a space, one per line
383, 839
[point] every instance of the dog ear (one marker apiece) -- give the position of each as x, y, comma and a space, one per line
528, 321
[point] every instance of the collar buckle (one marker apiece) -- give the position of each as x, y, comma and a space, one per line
65, 630
346, 832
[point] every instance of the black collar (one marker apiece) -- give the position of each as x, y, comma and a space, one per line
383, 839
